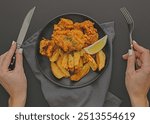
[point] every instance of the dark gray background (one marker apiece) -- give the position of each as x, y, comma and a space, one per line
12, 13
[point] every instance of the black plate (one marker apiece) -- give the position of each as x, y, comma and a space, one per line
44, 64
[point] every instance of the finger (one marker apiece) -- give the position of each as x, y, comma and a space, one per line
145, 54
8, 57
2, 57
125, 56
138, 62
131, 61
138, 48
19, 59
137, 54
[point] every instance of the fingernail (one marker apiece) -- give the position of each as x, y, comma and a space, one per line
123, 55
134, 41
20, 50
130, 52
13, 42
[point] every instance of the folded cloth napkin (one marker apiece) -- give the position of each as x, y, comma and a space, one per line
93, 95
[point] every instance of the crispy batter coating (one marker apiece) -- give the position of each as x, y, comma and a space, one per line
74, 36
47, 47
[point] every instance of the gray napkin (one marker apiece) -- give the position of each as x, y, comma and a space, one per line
94, 95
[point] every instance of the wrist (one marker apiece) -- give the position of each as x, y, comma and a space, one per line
139, 101
18, 101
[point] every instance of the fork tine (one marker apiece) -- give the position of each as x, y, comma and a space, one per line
127, 12
127, 15
124, 13
128, 19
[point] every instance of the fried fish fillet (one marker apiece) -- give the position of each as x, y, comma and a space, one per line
44, 46
71, 36
69, 40
47, 47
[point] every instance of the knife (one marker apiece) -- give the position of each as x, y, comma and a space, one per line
22, 35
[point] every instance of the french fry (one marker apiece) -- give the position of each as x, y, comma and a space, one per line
76, 59
70, 62
65, 61
81, 73
56, 71
55, 55
59, 61
100, 59
91, 61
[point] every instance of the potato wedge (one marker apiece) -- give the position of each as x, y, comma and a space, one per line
79, 66
76, 59
65, 61
61, 53
81, 73
56, 71
55, 55
100, 59
59, 61
70, 62
80, 63
84, 59
82, 52
91, 61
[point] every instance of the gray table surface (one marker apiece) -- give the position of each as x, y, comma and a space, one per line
12, 13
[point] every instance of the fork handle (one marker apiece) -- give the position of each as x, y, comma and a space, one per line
131, 41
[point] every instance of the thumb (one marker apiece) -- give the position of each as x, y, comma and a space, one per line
131, 61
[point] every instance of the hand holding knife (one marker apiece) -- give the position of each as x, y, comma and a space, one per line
21, 35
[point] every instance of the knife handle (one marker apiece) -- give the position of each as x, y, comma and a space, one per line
12, 63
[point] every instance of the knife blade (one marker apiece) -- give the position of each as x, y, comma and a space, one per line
22, 35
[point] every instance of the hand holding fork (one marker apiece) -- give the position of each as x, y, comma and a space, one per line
130, 23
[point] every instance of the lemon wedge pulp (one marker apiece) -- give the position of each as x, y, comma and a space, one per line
97, 46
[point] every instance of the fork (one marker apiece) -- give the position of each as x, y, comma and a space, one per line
130, 23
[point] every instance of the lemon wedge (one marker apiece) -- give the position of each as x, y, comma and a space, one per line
97, 46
